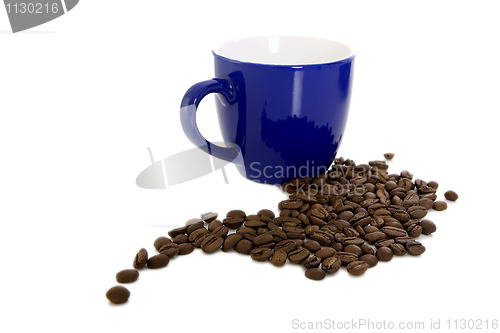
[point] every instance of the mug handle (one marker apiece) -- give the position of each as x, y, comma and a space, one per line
189, 106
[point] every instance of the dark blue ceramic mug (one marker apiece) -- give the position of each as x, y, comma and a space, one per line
282, 105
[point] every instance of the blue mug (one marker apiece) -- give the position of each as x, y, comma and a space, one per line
282, 105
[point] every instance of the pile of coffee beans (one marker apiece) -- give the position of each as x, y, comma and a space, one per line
352, 216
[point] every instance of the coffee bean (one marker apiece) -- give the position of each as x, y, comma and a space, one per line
403, 240
414, 230
415, 248
255, 224
158, 261
194, 221
127, 276
312, 262
433, 184
440, 205
417, 212
214, 225
353, 249
384, 254
451, 195
141, 258
174, 232
236, 213
389, 156
208, 217
375, 236
233, 222
352, 241
220, 231
291, 204
384, 243
367, 249
230, 241
312, 245
118, 294
331, 264
266, 212
298, 255
279, 258
325, 252
261, 254
244, 246
170, 249
315, 274
197, 236
393, 232
323, 238
193, 227
286, 245
346, 257
398, 249
182, 238
160, 241
428, 227
358, 267
337, 247
263, 239
370, 259
211, 243
185, 248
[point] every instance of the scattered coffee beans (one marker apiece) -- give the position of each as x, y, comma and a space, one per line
118, 294
355, 215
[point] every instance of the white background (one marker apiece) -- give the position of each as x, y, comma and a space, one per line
83, 96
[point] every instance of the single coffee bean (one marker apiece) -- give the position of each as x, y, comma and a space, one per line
415, 248
261, 254
286, 245
170, 249
370, 228
244, 246
158, 261
373, 237
278, 235
358, 267
428, 227
325, 253
417, 212
389, 156
298, 255
315, 274
354, 249
298, 243
393, 232
384, 243
433, 184
279, 258
291, 204
312, 262
174, 232
214, 225
236, 213
414, 230
193, 227
118, 294
440, 205
197, 236
426, 203
160, 241
367, 249
352, 241
295, 235
185, 248
209, 217
337, 247
384, 254
263, 239
141, 258
370, 259
230, 241
403, 240
127, 276
266, 212
331, 264
233, 222
451, 195
255, 224
194, 221
312, 245
346, 257
323, 238
398, 249
211, 243
220, 231
182, 238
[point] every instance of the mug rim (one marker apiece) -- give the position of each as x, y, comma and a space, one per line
216, 52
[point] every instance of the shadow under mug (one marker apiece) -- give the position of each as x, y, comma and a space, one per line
282, 105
